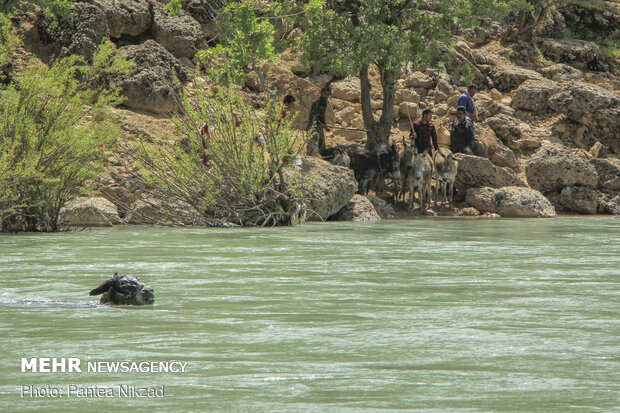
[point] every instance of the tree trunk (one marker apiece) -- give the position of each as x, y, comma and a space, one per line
388, 79
379, 130
369, 121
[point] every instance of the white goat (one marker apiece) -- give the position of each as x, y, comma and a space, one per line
418, 177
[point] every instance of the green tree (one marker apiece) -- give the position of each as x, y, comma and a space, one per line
54, 127
347, 37
244, 41
527, 18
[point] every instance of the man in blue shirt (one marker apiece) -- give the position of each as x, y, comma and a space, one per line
466, 100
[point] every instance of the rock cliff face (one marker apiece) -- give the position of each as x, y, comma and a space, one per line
549, 108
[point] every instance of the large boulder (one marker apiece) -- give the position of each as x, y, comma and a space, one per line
613, 206
153, 86
562, 73
407, 95
509, 77
482, 199
79, 34
384, 209
504, 156
180, 34
475, 171
505, 127
358, 209
511, 201
330, 187
89, 212
419, 80
578, 53
579, 199
348, 89
126, 17
553, 167
487, 136
608, 170
483, 33
533, 95
593, 106
409, 110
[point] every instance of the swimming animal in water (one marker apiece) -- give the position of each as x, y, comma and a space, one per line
124, 290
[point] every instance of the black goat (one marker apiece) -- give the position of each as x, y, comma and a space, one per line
375, 165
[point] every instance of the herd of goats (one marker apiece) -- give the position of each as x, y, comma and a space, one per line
409, 171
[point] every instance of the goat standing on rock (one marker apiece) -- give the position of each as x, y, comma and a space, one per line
446, 167
375, 166
419, 176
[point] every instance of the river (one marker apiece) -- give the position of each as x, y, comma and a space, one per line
444, 314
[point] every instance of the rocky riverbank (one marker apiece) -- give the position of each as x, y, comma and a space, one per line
550, 107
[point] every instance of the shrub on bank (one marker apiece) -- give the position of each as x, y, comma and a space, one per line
234, 163
53, 133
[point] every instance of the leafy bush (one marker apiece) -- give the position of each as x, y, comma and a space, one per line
240, 169
53, 128
244, 40
54, 9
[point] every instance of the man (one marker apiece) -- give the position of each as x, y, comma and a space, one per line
462, 135
316, 119
424, 133
467, 100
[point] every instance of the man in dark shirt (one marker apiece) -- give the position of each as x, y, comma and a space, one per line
462, 134
316, 119
424, 133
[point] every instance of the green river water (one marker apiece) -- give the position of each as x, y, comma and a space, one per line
437, 315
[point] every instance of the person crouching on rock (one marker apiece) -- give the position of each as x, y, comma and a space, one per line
462, 134
424, 133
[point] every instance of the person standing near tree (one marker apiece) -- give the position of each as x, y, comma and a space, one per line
316, 120
424, 133
467, 100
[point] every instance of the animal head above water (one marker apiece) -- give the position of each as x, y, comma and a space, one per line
124, 290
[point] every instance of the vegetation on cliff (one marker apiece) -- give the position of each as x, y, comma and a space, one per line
54, 116
53, 128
